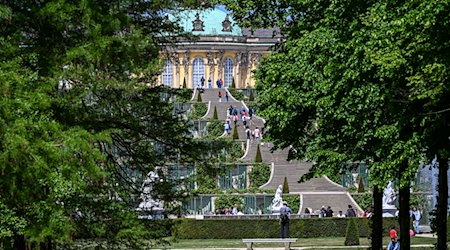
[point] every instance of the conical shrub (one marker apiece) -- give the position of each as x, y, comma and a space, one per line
258, 157
352, 233
251, 97
215, 117
233, 84
285, 186
361, 185
235, 133
184, 83
199, 97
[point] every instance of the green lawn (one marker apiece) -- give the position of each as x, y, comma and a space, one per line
302, 242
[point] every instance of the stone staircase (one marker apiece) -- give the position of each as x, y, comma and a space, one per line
211, 96
314, 193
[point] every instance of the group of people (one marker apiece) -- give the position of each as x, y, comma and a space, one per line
328, 212
220, 96
242, 115
201, 84
230, 211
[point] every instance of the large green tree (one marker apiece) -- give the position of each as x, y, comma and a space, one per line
413, 53
341, 86
81, 121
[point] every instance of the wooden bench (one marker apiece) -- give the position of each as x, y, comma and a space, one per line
287, 242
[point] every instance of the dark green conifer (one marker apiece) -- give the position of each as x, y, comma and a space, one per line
258, 157
215, 117
285, 186
360, 185
352, 233
251, 97
235, 133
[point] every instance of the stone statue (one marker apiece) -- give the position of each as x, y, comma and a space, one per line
389, 196
277, 200
148, 203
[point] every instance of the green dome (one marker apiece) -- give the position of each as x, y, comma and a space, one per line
212, 22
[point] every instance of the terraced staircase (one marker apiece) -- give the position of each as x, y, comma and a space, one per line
314, 193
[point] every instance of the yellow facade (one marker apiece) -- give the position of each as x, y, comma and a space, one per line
182, 67
221, 50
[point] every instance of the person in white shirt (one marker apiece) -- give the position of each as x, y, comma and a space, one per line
340, 214
257, 133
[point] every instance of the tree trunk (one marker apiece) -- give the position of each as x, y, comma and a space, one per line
441, 213
6, 244
377, 220
19, 242
404, 218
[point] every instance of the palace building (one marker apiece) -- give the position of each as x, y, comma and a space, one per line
221, 50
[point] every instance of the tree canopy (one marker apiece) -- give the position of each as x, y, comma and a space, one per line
81, 120
356, 81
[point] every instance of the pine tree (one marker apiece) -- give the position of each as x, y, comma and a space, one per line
199, 97
215, 117
351, 234
258, 157
184, 83
285, 186
235, 133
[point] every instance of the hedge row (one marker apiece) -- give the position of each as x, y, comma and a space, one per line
270, 228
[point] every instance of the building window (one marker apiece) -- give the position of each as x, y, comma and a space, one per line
198, 71
167, 76
228, 72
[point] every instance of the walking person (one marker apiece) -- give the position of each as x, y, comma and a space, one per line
220, 96
285, 214
257, 133
235, 120
226, 96
202, 82
248, 132
250, 112
415, 214
393, 244
227, 128
350, 212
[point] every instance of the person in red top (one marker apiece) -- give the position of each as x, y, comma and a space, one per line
393, 245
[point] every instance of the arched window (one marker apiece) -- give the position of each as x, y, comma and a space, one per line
167, 76
227, 72
198, 71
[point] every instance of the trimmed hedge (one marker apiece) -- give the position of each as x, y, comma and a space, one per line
269, 228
